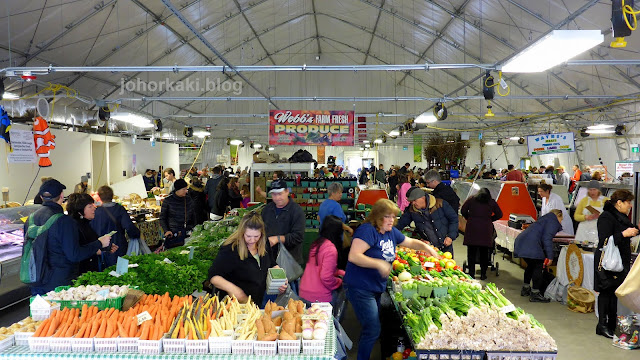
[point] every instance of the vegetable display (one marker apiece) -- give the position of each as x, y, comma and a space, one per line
91, 292
25, 325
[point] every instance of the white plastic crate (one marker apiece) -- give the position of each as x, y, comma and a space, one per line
521, 355
22, 338
7, 343
128, 344
242, 347
173, 346
197, 346
60, 344
81, 345
39, 344
149, 346
313, 347
106, 344
289, 347
220, 345
43, 314
265, 348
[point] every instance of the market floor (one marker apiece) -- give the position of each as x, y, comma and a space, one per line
574, 333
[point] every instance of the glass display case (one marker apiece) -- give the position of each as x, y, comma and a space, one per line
11, 239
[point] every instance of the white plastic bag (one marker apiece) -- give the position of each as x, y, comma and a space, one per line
611, 260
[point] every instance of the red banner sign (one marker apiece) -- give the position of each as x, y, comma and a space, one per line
311, 127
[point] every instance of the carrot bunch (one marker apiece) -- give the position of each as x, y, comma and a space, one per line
110, 323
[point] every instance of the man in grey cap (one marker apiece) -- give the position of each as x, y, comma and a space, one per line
435, 220
56, 247
83, 186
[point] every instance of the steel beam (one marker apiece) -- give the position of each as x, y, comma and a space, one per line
253, 30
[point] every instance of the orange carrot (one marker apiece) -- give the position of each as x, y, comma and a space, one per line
83, 329
133, 328
181, 334
145, 331
72, 330
44, 326
61, 331
52, 327
102, 329
95, 326
110, 328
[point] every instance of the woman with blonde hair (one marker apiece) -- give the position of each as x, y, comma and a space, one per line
373, 249
241, 267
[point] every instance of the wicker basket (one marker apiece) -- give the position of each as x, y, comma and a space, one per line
580, 299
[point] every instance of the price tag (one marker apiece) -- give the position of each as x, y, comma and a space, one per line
122, 265
167, 261
133, 266
184, 252
191, 252
113, 273
507, 309
104, 293
429, 264
143, 316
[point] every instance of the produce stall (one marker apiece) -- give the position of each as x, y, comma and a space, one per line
436, 301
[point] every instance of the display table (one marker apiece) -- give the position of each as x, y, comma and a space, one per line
587, 266
506, 235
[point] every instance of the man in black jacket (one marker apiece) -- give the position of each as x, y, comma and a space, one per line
210, 190
177, 215
440, 190
63, 250
284, 221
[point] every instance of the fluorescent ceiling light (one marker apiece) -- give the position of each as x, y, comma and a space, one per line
133, 119
378, 141
394, 133
236, 142
600, 127
201, 134
257, 146
365, 141
491, 143
10, 96
514, 138
553, 49
426, 117
600, 131
271, 148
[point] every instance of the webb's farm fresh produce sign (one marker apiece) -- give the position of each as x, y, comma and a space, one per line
311, 127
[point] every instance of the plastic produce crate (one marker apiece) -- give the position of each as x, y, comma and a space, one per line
100, 304
7, 343
265, 348
449, 354
507, 355
129, 344
289, 347
220, 345
109, 345
173, 346
22, 338
60, 344
197, 346
81, 345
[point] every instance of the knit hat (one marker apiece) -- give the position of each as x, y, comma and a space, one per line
180, 184
84, 178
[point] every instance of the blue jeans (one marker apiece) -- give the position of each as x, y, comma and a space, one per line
366, 305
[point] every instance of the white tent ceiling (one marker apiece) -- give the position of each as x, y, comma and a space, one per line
340, 32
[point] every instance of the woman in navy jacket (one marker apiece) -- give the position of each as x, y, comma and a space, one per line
535, 246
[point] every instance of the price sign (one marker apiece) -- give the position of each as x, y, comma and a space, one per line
122, 265
191, 252
507, 309
429, 264
167, 261
104, 293
113, 273
143, 316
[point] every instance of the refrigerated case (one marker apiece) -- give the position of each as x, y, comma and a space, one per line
11, 239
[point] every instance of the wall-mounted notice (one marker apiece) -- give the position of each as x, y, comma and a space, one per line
24, 150
551, 143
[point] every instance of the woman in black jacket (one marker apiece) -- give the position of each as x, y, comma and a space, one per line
614, 221
234, 194
81, 208
221, 199
393, 181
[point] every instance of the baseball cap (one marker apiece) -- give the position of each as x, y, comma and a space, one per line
278, 186
51, 189
415, 193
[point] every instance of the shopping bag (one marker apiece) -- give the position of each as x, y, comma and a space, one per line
629, 292
138, 247
611, 260
626, 334
286, 261
283, 299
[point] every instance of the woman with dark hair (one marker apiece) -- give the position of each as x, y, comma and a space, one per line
480, 211
221, 200
321, 276
234, 193
81, 208
403, 186
614, 224
393, 182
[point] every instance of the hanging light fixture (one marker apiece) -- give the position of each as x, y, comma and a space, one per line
236, 142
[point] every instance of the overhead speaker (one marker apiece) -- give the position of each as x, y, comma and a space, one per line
488, 90
228, 141
104, 114
440, 111
621, 130
188, 131
584, 133
157, 125
521, 141
499, 142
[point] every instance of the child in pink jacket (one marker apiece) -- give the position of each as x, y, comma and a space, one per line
321, 275
403, 186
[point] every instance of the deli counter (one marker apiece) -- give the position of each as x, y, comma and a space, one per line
11, 240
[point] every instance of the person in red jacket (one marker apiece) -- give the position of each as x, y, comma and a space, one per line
321, 276
515, 174
480, 211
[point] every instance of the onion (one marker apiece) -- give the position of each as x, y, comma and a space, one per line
307, 334
321, 325
319, 334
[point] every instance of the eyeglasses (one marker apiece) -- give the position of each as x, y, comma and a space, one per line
389, 216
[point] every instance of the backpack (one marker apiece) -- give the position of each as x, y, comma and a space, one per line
34, 264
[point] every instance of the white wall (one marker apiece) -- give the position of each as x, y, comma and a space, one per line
72, 158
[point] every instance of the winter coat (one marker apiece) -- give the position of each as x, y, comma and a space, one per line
447, 194
321, 273
402, 196
480, 217
536, 241
64, 249
177, 214
210, 189
234, 198
443, 219
612, 222
290, 223
149, 182
87, 235
103, 224
199, 199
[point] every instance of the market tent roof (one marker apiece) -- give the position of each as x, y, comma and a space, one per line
327, 32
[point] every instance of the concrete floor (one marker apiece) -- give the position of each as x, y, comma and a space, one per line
573, 332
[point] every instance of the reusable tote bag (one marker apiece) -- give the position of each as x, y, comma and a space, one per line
286, 261
629, 292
